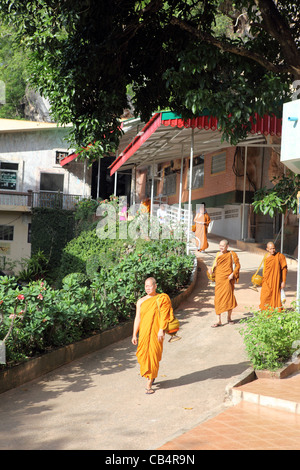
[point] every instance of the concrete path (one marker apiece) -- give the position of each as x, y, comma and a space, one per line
99, 401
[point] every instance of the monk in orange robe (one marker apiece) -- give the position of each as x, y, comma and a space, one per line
145, 206
150, 324
202, 221
225, 278
274, 279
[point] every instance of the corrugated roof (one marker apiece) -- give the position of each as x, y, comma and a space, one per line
166, 136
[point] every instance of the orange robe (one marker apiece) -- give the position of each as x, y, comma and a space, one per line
145, 206
274, 273
149, 350
201, 230
224, 288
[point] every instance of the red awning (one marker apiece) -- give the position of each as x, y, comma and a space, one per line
201, 122
267, 125
68, 159
137, 142
73, 155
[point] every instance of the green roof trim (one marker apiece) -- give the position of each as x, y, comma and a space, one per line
166, 115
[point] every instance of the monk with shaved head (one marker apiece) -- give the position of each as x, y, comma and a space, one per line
153, 312
226, 268
274, 278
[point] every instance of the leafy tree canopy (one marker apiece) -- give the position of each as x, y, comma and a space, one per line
280, 198
234, 58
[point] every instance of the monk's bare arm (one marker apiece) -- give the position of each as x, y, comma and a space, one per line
284, 269
284, 273
236, 272
136, 324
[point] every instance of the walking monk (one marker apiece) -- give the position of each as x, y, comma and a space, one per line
150, 322
225, 278
202, 221
274, 278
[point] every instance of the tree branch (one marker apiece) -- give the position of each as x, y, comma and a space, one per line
275, 25
228, 47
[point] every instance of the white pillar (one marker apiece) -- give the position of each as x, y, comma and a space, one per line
115, 183
98, 180
282, 224
133, 186
180, 186
84, 178
190, 192
244, 193
152, 191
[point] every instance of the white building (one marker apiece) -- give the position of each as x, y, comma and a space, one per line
31, 176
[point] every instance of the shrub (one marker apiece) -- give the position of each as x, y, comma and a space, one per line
90, 300
270, 337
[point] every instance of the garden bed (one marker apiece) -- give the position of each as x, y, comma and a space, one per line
36, 367
287, 369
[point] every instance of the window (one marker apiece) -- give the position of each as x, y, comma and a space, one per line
6, 232
59, 156
169, 186
29, 234
149, 186
218, 163
198, 173
52, 182
8, 176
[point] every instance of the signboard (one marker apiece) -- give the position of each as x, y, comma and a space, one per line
290, 137
2, 353
8, 180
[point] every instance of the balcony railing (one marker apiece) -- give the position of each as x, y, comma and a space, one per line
50, 200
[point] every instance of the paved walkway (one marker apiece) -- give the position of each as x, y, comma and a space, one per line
99, 401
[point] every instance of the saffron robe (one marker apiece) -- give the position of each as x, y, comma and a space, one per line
274, 273
149, 350
224, 288
202, 222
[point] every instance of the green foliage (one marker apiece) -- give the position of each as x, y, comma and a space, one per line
282, 197
35, 267
84, 214
44, 318
183, 55
51, 230
101, 295
270, 337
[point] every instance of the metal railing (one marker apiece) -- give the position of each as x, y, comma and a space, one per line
31, 199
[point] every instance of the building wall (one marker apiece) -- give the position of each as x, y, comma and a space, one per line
224, 189
214, 184
14, 251
35, 153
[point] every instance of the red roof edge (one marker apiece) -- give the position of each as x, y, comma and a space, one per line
68, 159
266, 125
136, 143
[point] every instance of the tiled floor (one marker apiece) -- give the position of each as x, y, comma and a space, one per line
249, 426
245, 426
287, 389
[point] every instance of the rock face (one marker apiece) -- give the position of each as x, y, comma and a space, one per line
36, 108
